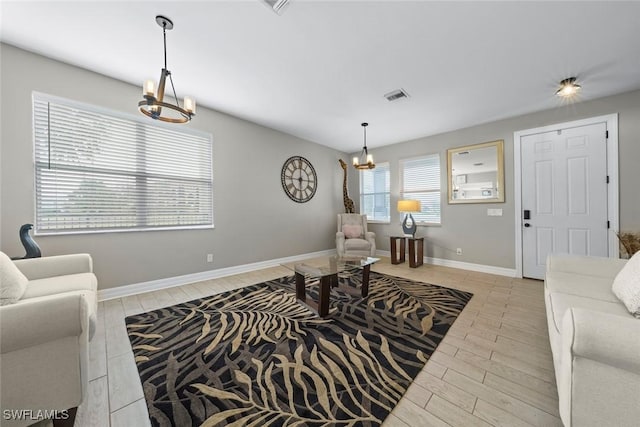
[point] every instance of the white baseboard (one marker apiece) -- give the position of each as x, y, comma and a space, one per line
500, 271
169, 282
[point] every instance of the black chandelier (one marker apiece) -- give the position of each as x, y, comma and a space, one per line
365, 161
153, 104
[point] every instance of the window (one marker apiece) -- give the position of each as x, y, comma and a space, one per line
97, 170
420, 178
374, 193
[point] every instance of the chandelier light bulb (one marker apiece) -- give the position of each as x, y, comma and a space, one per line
190, 104
149, 88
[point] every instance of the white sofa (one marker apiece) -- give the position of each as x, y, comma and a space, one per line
595, 342
44, 337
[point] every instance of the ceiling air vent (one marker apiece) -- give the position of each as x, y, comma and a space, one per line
396, 94
278, 6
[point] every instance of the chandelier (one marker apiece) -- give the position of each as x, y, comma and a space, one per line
153, 104
365, 161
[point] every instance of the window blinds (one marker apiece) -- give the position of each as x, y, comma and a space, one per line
374, 192
97, 171
421, 181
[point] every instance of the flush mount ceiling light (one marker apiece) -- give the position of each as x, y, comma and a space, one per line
153, 104
365, 161
278, 6
568, 88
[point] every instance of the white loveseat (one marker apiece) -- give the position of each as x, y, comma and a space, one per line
595, 342
44, 337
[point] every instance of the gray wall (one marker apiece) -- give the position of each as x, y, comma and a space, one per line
491, 240
254, 219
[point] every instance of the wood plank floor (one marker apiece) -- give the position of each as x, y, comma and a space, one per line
493, 368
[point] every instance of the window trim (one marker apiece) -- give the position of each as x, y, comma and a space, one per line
401, 187
44, 97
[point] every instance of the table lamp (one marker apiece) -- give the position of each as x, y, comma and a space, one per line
409, 225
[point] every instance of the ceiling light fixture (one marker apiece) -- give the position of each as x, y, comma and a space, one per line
365, 161
278, 6
153, 104
568, 88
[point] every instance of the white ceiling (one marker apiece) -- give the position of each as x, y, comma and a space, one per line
322, 68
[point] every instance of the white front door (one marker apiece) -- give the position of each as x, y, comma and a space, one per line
564, 195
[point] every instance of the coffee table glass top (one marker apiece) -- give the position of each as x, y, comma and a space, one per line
326, 266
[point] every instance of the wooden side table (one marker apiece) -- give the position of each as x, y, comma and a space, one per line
394, 249
416, 257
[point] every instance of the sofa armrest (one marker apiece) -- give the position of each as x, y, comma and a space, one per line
43, 319
40, 268
585, 265
602, 337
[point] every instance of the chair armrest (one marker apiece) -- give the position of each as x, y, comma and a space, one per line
606, 338
340, 243
39, 320
61, 265
370, 237
585, 265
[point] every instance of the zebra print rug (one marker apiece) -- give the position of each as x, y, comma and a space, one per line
256, 357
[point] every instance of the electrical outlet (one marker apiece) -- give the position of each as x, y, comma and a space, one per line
459, 251
209, 257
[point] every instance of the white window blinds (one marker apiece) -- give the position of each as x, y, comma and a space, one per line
421, 181
104, 171
374, 192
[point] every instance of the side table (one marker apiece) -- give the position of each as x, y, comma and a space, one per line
416, 258
394, 249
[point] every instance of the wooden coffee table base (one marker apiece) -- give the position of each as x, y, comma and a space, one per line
326, 283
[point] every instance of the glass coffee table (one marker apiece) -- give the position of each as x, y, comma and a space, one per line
326, 271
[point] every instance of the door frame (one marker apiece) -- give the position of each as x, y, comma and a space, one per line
612, 171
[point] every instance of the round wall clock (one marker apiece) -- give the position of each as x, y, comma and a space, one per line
299, 179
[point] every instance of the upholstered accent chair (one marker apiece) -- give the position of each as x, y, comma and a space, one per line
45, 327
352, 238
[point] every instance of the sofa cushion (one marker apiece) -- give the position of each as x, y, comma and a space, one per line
560, 302
582, 285
626, 285
12, 282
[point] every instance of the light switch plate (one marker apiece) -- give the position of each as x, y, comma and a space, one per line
494, 212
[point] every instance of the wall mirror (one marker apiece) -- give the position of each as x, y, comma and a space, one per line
476, 173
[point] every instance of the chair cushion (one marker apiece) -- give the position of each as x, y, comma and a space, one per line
626, 285
352, 231
59, 284
357, 245
12, 282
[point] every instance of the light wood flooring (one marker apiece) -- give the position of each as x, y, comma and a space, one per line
493, 368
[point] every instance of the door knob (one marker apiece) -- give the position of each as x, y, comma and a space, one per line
526, 224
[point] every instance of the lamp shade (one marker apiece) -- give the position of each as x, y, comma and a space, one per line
409, 206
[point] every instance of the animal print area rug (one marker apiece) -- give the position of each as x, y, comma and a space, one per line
256, 357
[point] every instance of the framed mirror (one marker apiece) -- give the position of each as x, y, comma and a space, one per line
476, 173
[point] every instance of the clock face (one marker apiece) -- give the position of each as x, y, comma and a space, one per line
299, 179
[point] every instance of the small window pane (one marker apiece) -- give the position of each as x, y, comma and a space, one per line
421, 181
375, 193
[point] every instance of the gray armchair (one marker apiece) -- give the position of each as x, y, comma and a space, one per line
352, 238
